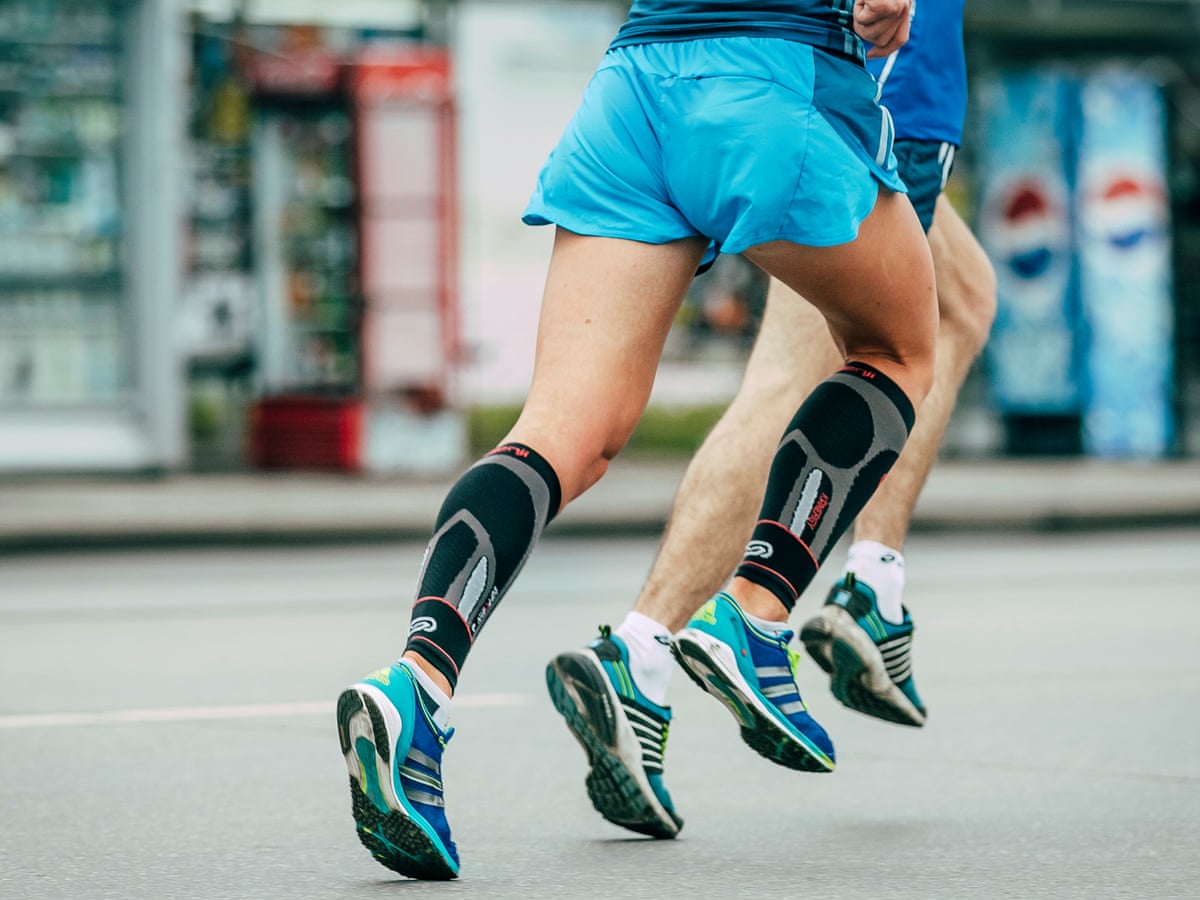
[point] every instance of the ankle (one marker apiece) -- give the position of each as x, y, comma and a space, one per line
649, 644
439, 680
881, 568
758, 602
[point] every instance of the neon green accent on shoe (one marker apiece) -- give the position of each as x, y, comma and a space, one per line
383, 676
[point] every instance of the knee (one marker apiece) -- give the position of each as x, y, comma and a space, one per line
969, 305
914, 355
590, 458
918, 374
916, 360
579, 450
966, 280
771, 393
911, 369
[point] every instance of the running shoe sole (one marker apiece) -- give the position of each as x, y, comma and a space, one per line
710, 663
616, 783
858, 677
387, 825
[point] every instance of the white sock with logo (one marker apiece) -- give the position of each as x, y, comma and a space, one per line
441, 710
881, 569
650, 660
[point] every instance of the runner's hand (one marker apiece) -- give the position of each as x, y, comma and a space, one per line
883, 24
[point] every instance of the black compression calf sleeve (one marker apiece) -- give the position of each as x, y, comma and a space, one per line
841, 443
486, 529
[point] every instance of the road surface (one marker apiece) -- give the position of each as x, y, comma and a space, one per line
166, 730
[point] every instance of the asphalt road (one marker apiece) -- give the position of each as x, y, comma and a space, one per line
166, 731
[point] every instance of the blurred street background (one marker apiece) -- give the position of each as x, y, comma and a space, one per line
279, 236
264, 292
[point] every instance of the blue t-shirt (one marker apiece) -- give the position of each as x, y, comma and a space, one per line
924, 83
828, 24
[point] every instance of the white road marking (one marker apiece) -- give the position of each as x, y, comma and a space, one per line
224, 713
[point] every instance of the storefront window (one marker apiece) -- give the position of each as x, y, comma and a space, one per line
61, 314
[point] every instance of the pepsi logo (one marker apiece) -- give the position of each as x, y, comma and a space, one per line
1125, 211
1030, 232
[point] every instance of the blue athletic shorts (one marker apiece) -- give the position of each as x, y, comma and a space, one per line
741, 140
925, 167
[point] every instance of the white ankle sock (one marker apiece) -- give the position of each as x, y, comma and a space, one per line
881, 569
770, 626
441, 713
650, 660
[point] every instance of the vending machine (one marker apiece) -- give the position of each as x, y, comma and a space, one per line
408, 226
1076, 220
1125, 272
1026, 226
355, 260
90, 136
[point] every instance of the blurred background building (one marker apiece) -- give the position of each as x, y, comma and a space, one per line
284, 234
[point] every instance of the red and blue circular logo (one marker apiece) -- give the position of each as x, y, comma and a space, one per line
1029, 228
1125, 211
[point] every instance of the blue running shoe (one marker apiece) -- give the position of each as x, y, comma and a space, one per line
393, 750
753, 674
622, 732
869, 659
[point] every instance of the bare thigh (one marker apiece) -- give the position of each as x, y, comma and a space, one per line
876, 293
966, 282
606, 311
793, 352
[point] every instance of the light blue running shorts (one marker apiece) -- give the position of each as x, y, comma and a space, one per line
741, 140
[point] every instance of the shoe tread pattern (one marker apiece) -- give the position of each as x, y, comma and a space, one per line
614, 791
760, 732
392, 838
848, 682
816, 636
849, 678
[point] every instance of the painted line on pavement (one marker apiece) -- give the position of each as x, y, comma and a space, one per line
223, 713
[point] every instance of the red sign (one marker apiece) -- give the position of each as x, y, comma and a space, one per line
304, 73
387, 75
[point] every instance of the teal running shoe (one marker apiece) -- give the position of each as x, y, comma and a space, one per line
754, 674
393, 751
622, 732
869, 659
